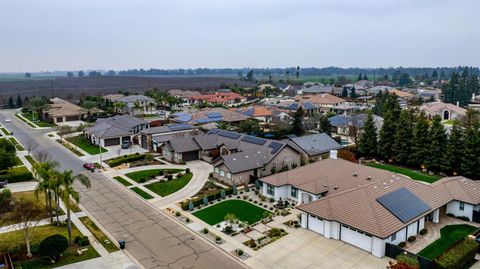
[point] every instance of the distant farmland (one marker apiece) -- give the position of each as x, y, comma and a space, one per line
75, 87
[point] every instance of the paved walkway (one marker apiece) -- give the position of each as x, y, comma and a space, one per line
22, 186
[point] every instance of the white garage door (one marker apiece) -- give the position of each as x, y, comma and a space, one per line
315, 224
356, 238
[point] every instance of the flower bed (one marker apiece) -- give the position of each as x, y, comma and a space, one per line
271, 236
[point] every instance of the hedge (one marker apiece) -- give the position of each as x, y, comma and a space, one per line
199, 200
17, 174
459, 256
126, 159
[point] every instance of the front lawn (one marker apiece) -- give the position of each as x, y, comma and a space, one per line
142, 193
244, 211
413, 174
85, 145
30, 160
148, 174
449, 235
164, 188
38, 122
5, 131
68, 257
123, 181
99, 235
24, 120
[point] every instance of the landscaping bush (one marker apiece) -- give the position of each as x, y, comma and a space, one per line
169, 177
53, 246
17, 174
126, 159
459, 256
84, 242
409, 261
177, 214
187, 170
197, 201
274, 232
228, 229
423, 231
142, 180
205, 231
463, 218
187, 220
239, 252
77, 239
402, 244
271, 200
411, 239
218, 238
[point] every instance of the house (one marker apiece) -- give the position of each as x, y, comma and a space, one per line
113, 97
208, 115
219, 98
445, 110
368, 207
317, 89
60, 111
322, 100
263, 113
341, 124
135, 105
314, 146
184, 95
403, 95
115, 130
154, 137
429, 94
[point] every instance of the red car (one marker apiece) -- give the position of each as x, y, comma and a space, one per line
89, 166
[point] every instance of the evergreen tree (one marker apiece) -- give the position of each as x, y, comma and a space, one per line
365, 77
359, 77
353, 94
345, 92
420, 140
11, 104
404, 137
368, 141
438, 140
404, 79
454, 151
471, 157
298, 126
434, 75
324, 125
19, 101
386, 137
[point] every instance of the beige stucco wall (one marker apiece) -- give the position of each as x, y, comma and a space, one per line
286, 156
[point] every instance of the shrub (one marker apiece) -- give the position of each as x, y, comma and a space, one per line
271, 200
77, 239
228, 229
53, 246
411, 239
239, 252
402, 244
84, 241
423, 231
409, 260
17, 174
262, 198
451, 215
255, 202
177, 214
205, 231
187, 170
218, 238
161, 172
35, 248
250, 199
142, 180
463, 218
459, 256
211, 197
126, 159
187, 220
274, 232
179, 174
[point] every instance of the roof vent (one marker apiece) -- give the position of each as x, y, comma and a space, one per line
325, 185
369, 178
354, 175
336, 187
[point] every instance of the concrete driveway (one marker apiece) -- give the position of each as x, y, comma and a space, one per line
307, 249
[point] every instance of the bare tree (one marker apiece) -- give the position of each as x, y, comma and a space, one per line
30, 145
63, 130
26, 215
354, 131
43, 155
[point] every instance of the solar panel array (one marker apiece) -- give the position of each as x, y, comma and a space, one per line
214, 131
403, 204
293, 106
213, 115
275, 146
308, 105
184, 118
179, 127
203, 121
228, 134
253, 139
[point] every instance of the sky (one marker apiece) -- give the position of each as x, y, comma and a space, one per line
49, 35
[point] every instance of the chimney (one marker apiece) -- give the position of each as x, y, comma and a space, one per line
458, 103
333, 154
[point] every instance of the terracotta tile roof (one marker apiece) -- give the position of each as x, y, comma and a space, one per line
436, 107
400, 94
321, 99
219, 97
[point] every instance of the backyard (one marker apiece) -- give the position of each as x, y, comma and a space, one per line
416, 175
244, 211
449, 235
164, 188
148, 174
85, 145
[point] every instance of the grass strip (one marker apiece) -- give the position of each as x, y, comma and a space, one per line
141, 193
123, 181
99, 234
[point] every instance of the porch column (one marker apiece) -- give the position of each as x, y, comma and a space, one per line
436, 216
304, 220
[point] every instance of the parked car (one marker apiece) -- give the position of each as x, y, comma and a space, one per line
89, 166
125, 144
7, 120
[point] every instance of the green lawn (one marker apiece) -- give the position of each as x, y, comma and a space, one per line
99, 235
70, 147
18, 146
147, 174
84, 144
5, 131
18, 162
417, 175
30, 160
164, 188
69, 257
24, 120
39, 123
449, 235
141, 193
123, 181
244, 211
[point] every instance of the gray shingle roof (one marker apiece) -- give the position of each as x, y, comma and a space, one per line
183, 144
114, 126
316, 144
135, 98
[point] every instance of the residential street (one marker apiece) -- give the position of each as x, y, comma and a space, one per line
151, 237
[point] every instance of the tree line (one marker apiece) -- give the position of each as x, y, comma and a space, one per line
411, 139
460, 87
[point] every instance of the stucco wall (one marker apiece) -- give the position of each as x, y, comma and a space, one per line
454, 208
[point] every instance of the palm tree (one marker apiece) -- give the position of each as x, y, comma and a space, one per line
89, 106
68, 191
44, 172
38, 104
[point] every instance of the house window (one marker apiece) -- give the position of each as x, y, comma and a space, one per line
293, 192
393, 237
270, 190
229, 175
461, 206
222, 173
216, 170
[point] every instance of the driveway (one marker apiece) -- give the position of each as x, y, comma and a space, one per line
306, 249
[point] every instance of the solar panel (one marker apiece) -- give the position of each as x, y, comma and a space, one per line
179, 127
275, 146
213, 115
403, 204
214, 131
184, 118
228, 134
293, 106
254, 140
308, 106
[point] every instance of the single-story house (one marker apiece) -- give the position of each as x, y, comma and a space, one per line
445, 110
180, 150
263, 113
135, 105
341, 124
152, 138
323, 100
314, 146
115, 130
208, 115
219, 97
60, 111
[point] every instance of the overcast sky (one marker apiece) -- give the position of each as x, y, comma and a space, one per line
41, 35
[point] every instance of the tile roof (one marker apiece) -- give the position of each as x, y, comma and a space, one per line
183, 144
60, 107
201, 117
135, 98
320, 99
114, 126
316, 144
436, 107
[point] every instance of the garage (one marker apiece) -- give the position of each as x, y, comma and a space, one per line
190, 156
315, 224
112, 141
73, 118
356, 238
59, 119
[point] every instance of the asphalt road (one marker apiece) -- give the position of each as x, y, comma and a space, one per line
151, 237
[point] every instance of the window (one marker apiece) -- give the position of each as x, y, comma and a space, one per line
461, 206
215, 170
293, 192
393, 237
229, 175
222, 173
270, 190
